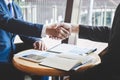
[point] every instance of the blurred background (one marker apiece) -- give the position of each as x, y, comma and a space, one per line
92, 12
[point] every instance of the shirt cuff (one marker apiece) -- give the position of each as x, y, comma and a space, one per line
43, 34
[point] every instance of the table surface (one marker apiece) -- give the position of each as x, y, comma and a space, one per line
36, 69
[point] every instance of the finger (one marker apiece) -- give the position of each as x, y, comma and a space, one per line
38, 44
57, 35
61, 37
34, 45
67, 32
60, 33
65, 25
44, 47
63, 34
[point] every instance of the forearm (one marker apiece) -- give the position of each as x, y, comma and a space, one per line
96, 33
18, 26
29, 40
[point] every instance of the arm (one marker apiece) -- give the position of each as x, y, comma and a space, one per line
18, 26
34, 42
21, 27
95, 33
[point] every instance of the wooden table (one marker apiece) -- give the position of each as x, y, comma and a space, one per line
36, 69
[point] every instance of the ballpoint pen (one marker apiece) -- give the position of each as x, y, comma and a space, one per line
91, 51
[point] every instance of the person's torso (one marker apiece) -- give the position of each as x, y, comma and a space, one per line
7, 38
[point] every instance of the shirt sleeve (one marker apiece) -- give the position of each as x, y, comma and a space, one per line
43, 34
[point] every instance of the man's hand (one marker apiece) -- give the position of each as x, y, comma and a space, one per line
58, 31
66, 26
39, 45
72, 28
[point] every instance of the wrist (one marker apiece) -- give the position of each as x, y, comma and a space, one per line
49, 31
75, 28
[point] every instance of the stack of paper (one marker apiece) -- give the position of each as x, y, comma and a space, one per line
62, 61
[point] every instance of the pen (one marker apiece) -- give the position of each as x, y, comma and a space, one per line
80, 65
91, 51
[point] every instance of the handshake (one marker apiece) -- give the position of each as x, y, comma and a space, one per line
60, 30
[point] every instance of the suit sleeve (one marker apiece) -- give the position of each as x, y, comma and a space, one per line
18, 26
29, 40
95, 33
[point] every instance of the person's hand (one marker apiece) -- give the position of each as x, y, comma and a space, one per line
65, 29
66, 26
57, 32
72, 28
39, 45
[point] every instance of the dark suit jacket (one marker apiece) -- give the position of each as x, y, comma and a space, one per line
109, 69
16, 25
95, 33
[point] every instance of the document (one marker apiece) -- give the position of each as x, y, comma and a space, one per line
66, 63
73, 49
33, 55
62, 61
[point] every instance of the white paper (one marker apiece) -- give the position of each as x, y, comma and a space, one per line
62, 61
69, 48
59, 63
66, 62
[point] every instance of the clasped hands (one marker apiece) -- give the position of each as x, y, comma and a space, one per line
58, 30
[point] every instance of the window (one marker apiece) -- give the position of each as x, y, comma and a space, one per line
43, 11
97, 12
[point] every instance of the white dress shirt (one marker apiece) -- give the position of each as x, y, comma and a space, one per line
8, 1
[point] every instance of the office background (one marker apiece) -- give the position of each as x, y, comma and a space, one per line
88, 12
93, 12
